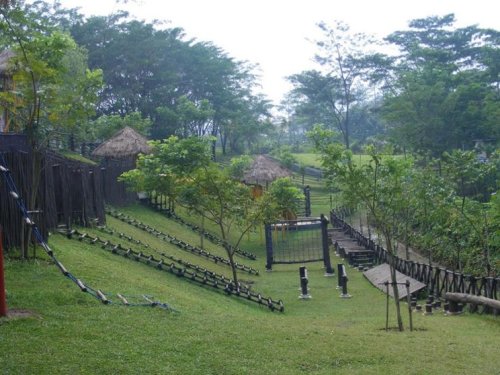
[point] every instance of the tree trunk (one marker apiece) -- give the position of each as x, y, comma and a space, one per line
230, 254
202, 232
36, 171
395, 289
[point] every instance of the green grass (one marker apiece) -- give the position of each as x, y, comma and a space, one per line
308, 159
217, 334
313, 160
75, 156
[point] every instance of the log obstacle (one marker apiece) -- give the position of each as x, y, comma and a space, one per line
464, 298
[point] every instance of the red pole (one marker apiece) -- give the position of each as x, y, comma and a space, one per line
3, 303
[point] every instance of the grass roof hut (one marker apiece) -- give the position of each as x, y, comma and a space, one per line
119, 154
124, 144
265, 170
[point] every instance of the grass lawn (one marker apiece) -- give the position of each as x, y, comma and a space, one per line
72, 333
314, 160
308, 159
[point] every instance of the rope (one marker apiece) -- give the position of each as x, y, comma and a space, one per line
96, 293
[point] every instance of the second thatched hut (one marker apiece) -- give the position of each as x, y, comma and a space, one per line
119, 154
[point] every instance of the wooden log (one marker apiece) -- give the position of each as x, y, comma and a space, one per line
475, 300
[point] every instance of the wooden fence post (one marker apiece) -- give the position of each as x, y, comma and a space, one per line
3, 303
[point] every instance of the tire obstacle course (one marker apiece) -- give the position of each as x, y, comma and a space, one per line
96, 293
179, 261
195, 228
187, 271
177, 242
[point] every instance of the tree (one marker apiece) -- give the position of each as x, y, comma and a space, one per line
444, 85
45, 101
214, 195
378, 186
105, 126
170, 163
185, 87
328, 96
286, 197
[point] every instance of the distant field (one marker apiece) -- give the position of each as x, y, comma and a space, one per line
309, 160
313, 160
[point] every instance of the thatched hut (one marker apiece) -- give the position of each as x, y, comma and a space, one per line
124, 144
265, 170
119, 154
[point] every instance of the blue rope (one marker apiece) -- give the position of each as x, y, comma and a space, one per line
11, 185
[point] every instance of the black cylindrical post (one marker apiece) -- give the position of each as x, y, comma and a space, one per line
344, 285
303, 272
269, 247
344, 280
339, 275
428, 309
303, 283
326, 248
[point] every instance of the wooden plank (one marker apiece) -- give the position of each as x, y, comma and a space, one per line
349, 250
381, 274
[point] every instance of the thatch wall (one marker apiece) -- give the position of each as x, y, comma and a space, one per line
69, 191
115, 192
119, 154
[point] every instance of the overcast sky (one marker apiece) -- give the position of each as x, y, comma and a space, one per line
277, 34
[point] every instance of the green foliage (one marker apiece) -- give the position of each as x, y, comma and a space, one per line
443, 89
186, 87
170, 162
239, 165
336, 98
284, 155
105, 126
442, 210
54, 91
286, 197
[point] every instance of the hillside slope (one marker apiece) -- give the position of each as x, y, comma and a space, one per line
70, 332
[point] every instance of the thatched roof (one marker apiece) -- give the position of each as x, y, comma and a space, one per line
264, 170
125, 143
5, 56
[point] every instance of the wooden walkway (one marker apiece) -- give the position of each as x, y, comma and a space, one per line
381, 274
377, 275
349, 248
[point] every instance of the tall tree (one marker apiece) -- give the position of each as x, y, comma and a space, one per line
446, 85
45, 102
330, 94
183, 85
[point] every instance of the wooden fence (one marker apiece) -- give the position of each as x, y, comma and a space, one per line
438, 279
68, 191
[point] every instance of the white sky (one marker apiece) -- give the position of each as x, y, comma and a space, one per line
277, 34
